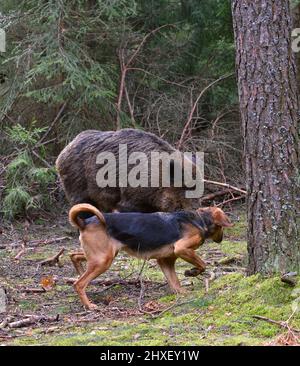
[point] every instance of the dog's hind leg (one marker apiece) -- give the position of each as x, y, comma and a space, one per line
77, 258
93, 270
167, 266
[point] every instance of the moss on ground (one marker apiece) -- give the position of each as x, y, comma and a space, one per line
239, 230
223, 316
233, 248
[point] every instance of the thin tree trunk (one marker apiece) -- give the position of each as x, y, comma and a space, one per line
269, 110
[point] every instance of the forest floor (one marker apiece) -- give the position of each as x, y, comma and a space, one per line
138, 309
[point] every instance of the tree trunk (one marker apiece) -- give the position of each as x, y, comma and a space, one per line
269, 110
296, 24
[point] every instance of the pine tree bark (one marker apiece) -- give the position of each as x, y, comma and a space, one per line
267, 88
296, 24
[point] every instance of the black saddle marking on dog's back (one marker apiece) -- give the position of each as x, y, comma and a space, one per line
149, 231
142, 231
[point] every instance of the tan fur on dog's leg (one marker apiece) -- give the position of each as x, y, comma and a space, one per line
184, 249
190, 256
167, 266
94, 269
77, 258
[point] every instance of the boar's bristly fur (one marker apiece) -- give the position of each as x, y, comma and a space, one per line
77, 169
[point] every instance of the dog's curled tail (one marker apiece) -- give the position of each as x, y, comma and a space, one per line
77, 221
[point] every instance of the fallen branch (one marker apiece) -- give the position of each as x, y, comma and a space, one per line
41, 242
33, 319
2, 336
34, 290
5, 322
52, 261
70, 281
281, 324
21, 252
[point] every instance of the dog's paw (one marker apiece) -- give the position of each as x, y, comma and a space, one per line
92, 307
192, 272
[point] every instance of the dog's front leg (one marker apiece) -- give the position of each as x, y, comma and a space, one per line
182, 250
167, 266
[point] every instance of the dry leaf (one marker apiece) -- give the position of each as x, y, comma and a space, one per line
152, 306
107, 299
47, 282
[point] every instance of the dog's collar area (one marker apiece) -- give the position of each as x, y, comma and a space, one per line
207, 223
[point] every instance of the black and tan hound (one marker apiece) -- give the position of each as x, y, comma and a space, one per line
163, 236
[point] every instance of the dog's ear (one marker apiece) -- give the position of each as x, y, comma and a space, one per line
221, 219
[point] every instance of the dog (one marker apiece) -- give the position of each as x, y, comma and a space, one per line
162, 236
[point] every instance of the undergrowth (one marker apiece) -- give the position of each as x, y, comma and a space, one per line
27, 179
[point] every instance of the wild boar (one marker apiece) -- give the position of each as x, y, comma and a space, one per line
78, 168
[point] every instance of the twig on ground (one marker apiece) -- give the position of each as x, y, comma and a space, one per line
206, 283
5, 322
113, 282
52, 261
142, 291
118, 283
34, 290
176, 304
282, 324
32, 319
21, 252
41, 242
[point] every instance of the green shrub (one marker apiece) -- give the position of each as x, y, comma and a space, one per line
27, 185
